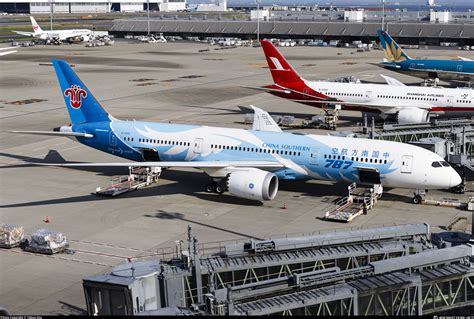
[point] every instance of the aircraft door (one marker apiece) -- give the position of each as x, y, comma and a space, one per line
407, 164
112, 139
314, 156
198, 145
449, 100
412, 65
369, 96
459, 68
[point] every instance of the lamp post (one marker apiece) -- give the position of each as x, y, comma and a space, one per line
51, 14
383, 14
258, 21
148, 16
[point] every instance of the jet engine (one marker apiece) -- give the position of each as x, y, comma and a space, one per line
253, 183
413, 115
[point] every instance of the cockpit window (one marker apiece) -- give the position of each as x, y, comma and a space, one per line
436, 164
445, 164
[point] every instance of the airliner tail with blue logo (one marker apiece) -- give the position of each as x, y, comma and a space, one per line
397, 60
245, 163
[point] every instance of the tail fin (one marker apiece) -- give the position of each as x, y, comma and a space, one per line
281, 70
36, 27
81, 104
393, 52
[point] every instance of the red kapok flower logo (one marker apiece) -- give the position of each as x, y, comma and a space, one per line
76, 94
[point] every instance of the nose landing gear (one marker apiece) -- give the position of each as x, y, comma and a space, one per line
418, 196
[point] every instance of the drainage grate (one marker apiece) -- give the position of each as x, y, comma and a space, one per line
23, 102
146, 84
142, 80
191, 76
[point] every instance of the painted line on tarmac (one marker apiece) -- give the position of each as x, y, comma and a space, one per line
56, 257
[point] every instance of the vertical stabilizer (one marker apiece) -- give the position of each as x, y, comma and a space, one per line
36, 27
81, 104
281, 70
393, 52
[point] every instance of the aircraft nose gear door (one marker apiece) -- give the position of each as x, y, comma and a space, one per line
407, 164
198, 145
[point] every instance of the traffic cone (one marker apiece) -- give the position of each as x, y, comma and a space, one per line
284, 206
46, 220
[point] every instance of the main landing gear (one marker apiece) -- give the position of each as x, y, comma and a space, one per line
215, 187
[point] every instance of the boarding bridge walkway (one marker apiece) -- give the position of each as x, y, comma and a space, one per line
233, 263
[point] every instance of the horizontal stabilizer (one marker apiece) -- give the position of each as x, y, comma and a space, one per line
28, 34
200, 164
53, 133
7, 52
266, 89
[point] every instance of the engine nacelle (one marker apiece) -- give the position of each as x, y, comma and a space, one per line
413, 115
253, 184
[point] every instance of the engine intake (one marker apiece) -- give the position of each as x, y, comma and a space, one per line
253, 184
413, 115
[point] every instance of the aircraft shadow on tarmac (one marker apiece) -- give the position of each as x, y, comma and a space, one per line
162, 214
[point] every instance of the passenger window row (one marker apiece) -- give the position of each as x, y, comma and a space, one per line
356, 159
164, 142
254, 150
407, 98
464, 101
334, 157
345, 94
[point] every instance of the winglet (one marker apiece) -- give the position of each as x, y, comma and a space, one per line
262, 121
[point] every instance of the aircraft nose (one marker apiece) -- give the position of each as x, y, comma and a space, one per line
454, 179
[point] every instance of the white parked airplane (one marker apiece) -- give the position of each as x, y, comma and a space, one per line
247, 163
57, 35
408, 104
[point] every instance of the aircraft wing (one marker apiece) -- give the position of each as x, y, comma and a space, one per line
386, 108
196, 164
29, 34
443, 72
464, 59
55, 133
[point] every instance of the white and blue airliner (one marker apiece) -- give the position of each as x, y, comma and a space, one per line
246, 163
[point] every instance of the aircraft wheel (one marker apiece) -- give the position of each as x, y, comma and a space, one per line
417, 199
210, 188
219, 189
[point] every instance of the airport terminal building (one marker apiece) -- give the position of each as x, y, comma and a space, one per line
90, 6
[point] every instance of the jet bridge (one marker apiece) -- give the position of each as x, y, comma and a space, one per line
357, 271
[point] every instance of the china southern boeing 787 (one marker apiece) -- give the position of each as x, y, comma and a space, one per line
246, 163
